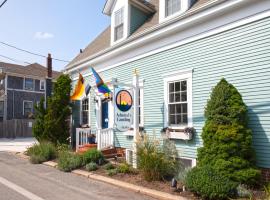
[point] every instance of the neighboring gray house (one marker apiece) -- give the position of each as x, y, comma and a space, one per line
21, 87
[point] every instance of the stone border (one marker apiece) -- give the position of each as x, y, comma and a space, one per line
122, 184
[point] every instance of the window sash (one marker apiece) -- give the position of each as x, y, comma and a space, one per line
172, 6
42, 85
119, 32
28, 107
119, 24
29, 84
85, 111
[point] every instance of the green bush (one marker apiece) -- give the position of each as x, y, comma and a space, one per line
124, 168
209, 183
92, 155
62, 147
243, 192
92, 166
156, 161
108, 166
112, 172
41, 152
227, 140
68, 161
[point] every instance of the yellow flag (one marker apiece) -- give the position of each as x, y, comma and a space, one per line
79, 89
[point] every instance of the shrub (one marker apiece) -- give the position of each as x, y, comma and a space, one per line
267, 190
91, 166
243, 192
41, 152
182, 174
124, 168
68, 161
108, 166
209, 183
155, 161
92, 155
112, 172
227, 140
62, 147
38, 127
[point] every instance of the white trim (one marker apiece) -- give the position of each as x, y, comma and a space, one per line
31, 91
81, 111
185, 76
193, 160
24, 101
180, 43
176, 73
42, 81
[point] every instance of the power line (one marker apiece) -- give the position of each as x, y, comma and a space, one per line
14, 60
3, 3
29, 52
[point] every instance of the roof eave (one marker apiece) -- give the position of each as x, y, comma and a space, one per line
108, 7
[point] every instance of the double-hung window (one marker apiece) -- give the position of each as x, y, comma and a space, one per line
172, 6
85, 111
42, 85
29, 84
178, 100
119, 24
27, 108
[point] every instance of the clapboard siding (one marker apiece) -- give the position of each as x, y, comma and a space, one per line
241, 55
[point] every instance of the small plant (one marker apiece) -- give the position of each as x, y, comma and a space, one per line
243, 192
68, 161
209, 183
41, 152
91, 166
62, 147
112, 172
109, 166
267, 190
182, 174
124, 168
92, 155
156, 161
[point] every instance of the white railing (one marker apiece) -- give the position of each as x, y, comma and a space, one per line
82, 135
105, 138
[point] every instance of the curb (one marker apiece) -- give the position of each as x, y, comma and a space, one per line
125, 185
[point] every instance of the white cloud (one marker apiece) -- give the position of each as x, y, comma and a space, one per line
43, 35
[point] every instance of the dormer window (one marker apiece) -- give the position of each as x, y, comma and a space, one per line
119, 24
172, 6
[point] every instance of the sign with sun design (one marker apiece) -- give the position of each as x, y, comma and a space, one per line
123, 109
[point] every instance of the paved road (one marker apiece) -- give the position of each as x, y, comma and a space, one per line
16, 145
20, 180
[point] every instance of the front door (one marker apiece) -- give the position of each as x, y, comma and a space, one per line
105, 115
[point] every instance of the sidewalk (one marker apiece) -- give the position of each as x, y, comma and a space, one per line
16, 145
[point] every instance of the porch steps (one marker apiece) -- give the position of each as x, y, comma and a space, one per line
113, 152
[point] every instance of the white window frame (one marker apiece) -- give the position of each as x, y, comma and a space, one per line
184, 5
25, 82
122, 12
81, 110
28, 102
178, 76
40, 84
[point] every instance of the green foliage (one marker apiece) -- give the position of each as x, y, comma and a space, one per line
209, 183
155, 161
92, 166
38, 127
243, 192
92, 155
112, 172
62, 147
41, 152
56, 127
182, 174
124, 168
227, 141
68, 161
267, 190
109, 166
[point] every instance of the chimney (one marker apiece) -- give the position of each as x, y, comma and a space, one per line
49, 65
81, 50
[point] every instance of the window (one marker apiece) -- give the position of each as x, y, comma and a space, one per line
85, 111
178, 100
1, 108
29, 84
42, 85
119, 24
177, 109
27, 108
172, 6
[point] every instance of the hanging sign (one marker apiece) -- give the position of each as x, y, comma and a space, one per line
123, 109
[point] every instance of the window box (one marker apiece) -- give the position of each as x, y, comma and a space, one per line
180, 135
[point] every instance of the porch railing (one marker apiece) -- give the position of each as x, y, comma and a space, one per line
104, 137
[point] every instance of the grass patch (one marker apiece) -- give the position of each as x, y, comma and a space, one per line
41, 152
68, 161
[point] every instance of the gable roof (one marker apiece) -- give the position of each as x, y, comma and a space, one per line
102, 42
34, 69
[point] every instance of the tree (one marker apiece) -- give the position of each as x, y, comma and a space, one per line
56, 126
227, 140
38, 128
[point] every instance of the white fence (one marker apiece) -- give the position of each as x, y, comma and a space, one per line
104, 137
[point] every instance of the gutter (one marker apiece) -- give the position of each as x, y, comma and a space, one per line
75, 66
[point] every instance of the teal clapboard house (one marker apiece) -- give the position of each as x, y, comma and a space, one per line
181, 49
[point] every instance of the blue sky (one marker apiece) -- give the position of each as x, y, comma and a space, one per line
61, 27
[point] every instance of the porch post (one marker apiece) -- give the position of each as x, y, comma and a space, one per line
136, 116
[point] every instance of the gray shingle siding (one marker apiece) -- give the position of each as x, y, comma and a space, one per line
17, 101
